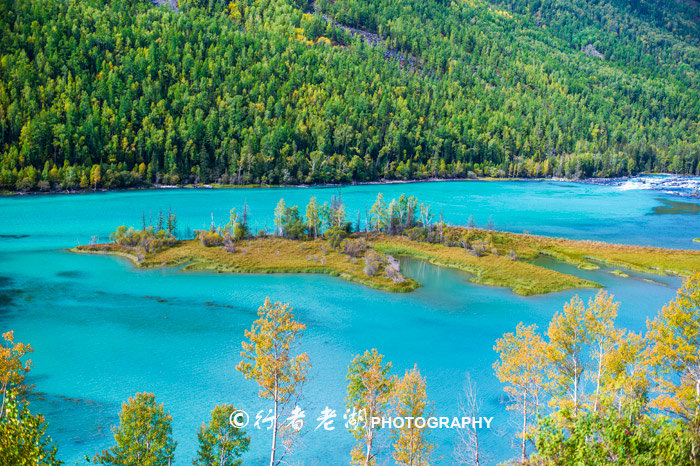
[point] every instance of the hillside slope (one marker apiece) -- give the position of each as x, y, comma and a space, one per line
108, 94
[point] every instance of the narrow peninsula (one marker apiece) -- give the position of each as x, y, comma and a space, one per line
323, 241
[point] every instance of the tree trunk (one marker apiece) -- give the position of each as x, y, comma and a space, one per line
274, 432
370, 435
576, 380
694, 447
600, 370
524, 455
2, 406
368, 454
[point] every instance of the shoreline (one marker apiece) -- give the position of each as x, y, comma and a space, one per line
590, 181
216, 186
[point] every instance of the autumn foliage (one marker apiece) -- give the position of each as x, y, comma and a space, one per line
590, 389
268, 358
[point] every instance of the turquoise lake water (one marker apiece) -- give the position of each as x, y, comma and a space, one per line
103, 330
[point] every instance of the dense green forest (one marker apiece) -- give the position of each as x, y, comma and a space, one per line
106, 94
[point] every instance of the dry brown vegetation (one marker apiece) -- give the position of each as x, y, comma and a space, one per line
263, 255
492, 258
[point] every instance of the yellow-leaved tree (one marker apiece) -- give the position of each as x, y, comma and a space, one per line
268, 359
604, 338
23, 439
522, 366
12, 368
369, 393
234, 12
583, 345
411, 447
568, 338
674, 337
627, 378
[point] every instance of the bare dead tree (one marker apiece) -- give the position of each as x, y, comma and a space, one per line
467, 448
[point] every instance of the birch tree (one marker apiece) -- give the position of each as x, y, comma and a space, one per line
522, 364
675, 355
600, 320
267, 358
312, 217
467, 449
279, 217
12, 367
144, 435
378, 214
23, 439
220, 443
568, 336
627, 378
369, 394
411, 447
425, 216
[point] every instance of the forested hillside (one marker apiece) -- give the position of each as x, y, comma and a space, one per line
97, 93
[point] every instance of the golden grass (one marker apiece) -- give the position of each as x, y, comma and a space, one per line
590, 254
262, 255
506, 263
496, 270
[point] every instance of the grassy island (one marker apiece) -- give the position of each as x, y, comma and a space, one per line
590, 255
323, 241
265, 255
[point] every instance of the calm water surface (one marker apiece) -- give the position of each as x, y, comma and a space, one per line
103, 330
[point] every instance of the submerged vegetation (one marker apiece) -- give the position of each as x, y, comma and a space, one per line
325, 241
